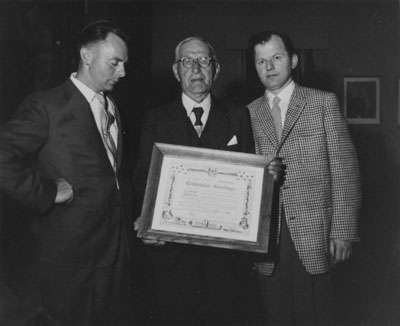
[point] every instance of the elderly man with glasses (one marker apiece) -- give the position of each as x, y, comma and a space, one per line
193, 284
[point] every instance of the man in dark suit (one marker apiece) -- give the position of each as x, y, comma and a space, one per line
195, 284
320, 196
72, 135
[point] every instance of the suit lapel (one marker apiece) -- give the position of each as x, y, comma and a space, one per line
296, 106
213, 135
85, 120
263, 113
177, 124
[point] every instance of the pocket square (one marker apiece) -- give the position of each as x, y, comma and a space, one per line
233, 141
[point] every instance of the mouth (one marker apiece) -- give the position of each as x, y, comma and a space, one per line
196, 80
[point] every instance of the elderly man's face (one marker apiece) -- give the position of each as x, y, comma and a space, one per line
196, 81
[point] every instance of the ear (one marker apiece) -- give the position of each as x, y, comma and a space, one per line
86, 56
295, 61
176, 73
217, 67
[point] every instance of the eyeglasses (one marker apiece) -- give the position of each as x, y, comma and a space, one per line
203, 62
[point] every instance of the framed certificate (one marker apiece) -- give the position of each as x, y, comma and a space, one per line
208, 197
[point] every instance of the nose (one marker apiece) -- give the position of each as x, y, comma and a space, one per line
196, 66
121, 71
269, 65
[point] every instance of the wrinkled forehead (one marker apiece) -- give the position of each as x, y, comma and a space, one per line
194, 48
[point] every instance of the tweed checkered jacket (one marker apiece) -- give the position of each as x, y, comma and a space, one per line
321, 192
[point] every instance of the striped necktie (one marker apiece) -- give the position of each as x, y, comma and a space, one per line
107, 119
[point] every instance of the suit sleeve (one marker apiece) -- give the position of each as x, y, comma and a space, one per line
20, 143
345, 175
247, 133
146, 143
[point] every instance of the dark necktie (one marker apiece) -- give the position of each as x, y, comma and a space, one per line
198, 112
276, 116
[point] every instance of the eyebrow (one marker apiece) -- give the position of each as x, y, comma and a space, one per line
120, 59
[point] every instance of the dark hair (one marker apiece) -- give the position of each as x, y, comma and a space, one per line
98, 31
265, 36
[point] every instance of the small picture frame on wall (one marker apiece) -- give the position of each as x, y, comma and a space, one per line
361, 100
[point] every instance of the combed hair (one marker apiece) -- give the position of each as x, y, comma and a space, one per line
98, 31
265, 36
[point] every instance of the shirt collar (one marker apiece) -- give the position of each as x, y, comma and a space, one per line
86, 91
189, 104
284, 94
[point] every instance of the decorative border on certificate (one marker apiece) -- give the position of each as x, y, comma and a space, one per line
208, 197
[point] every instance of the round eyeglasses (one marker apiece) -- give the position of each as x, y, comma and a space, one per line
203, 62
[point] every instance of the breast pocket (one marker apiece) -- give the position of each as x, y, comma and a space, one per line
233, 148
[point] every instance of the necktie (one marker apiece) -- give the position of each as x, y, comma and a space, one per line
198, 125
276, 116
107, 119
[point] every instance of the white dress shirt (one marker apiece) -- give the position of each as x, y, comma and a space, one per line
285, 95
189, 104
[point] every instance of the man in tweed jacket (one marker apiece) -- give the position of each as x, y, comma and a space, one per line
319, 198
